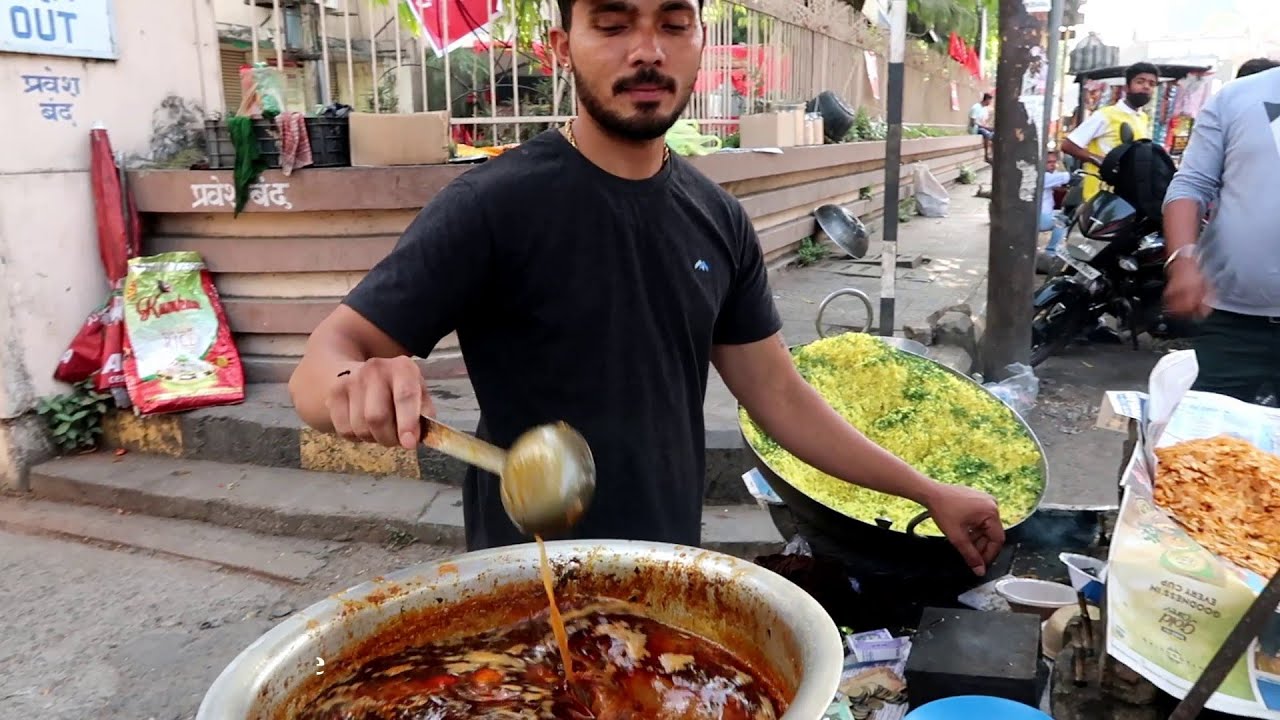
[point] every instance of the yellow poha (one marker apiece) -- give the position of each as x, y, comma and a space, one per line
940, 424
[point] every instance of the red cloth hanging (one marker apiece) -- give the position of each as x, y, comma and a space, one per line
956, 48
973, 64
964, 55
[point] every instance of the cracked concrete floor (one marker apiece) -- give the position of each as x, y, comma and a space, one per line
1084, 462
88, 631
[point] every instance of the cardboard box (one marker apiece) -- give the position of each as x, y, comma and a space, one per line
768, 130
399, 139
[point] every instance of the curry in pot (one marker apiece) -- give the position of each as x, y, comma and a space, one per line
623, 665
626, 667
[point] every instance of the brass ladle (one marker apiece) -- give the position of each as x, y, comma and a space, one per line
548, 475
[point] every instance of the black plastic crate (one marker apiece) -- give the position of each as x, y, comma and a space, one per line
222, 154
330, 142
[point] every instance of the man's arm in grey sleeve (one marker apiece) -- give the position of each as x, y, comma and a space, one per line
1200, 176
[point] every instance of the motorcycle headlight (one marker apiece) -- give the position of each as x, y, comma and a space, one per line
1087, 250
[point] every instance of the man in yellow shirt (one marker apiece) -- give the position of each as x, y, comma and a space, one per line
1100, 133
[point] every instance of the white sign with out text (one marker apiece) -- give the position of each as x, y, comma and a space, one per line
67, 28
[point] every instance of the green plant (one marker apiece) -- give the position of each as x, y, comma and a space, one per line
966, 176
866, 128
388, 94
906, 209
927, 131
75, 418
732, 140
866, 193
398, 539
810, 252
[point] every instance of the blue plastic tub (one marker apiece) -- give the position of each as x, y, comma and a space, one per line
975, 707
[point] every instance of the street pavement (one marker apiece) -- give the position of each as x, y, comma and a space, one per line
954, 254
1084, 462
113, 633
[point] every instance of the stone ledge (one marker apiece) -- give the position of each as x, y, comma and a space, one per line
332, 507
264, 431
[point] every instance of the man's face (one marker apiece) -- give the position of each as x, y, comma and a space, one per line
1051, 163
634, 62
1144, 84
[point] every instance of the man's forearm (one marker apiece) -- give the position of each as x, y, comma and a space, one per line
1181, 224
1079, 153
314, 378
803, 423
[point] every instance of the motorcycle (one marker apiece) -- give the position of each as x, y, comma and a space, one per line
1115, 268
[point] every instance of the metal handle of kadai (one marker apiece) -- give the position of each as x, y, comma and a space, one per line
822, 308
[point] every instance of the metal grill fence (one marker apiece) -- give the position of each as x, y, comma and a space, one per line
759, 53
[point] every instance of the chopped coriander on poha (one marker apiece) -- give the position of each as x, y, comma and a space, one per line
940, 424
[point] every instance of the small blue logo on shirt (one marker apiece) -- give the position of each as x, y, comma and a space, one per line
702, 266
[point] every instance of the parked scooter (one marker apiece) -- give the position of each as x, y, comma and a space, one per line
1115, 268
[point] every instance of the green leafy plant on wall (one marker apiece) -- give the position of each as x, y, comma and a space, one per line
809, 252
75, 418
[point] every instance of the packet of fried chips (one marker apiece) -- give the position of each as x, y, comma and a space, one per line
1196, 538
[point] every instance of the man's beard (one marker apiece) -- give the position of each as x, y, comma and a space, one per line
642, 127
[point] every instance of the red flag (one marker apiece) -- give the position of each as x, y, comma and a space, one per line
464, 17
956, 48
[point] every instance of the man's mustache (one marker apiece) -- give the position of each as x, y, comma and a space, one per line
646, 76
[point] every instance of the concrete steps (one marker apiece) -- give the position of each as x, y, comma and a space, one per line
264, 431
311, 504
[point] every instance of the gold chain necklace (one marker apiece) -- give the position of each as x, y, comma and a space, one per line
567, 131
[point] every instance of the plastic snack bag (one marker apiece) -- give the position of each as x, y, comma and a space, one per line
179, 354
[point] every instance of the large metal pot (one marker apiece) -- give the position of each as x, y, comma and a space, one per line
899, 550
765, 620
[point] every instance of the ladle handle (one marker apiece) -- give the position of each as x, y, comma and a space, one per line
456, 444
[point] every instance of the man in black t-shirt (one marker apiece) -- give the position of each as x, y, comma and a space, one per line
592, 278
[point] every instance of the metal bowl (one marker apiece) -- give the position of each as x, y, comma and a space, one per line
773, 625
844, 228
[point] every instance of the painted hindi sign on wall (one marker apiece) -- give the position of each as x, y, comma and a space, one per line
67, 28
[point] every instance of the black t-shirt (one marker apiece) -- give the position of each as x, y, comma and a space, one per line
583, 297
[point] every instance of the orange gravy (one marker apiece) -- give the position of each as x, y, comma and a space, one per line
557, 622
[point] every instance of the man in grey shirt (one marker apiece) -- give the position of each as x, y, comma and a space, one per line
1231, 277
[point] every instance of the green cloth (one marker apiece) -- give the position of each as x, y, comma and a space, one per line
249, 163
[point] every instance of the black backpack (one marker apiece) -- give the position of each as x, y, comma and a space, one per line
1139, 172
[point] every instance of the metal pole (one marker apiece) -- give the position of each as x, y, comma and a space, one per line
1014, 204
982, 38
278, 38
373, 56
1051, 73
892, 164
326, 92
351, 68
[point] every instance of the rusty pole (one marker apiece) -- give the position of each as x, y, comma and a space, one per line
1015, 209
